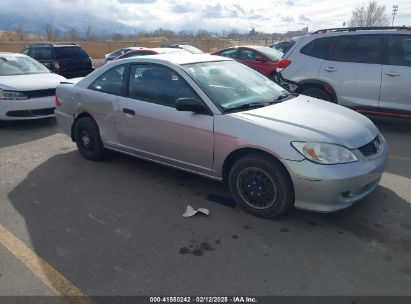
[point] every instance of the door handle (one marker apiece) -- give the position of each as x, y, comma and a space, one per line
392, 74
129, 111
330, 69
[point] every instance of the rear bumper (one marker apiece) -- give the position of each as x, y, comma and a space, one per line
32, 108
328, 188
64, 122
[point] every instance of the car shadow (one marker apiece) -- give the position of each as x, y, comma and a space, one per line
22, 131
110, 227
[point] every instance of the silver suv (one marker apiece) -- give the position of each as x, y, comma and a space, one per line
367, 69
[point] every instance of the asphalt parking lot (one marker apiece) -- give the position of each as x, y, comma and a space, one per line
116, 228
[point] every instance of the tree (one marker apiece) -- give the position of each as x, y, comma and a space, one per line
371, 15
19, 30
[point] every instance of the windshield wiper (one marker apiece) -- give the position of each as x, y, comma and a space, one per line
286, 96
247, 106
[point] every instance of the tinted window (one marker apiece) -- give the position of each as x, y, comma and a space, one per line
358, 48
111, 82
70, 52
157, 85
399, 50
25, 51
318, 48
231, 53
42, 53
247, 54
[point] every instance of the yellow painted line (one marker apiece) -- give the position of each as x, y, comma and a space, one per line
46, 273
400, 158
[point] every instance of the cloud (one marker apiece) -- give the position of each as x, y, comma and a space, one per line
287, 19
303, 19
137, 1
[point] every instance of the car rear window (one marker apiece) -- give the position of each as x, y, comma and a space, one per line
358, 49
70, 52
318, 48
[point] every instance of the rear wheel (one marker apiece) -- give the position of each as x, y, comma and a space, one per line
317, 93
261, 186
87, 138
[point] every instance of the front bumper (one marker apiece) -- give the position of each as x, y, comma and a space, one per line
328, 188
32, 108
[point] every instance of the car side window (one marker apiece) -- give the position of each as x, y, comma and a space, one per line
318, 48
110, 82
159, 85
25, 52
358, 49
247, 54
231, 53
399, 50
42, 53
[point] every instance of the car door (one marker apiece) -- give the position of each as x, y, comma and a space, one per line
253, 59
353, 69
101, 100
150, 126
396, 75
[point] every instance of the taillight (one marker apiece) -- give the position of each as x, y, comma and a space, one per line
282, 64
58, 104
56, 66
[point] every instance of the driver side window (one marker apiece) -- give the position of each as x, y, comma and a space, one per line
159, 85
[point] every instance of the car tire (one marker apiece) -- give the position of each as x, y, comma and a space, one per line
317, 93
261, 186
87, 138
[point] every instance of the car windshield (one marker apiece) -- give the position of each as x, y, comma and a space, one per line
271, 53
234, 86
20, 65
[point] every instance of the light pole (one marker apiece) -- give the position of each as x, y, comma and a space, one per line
394, 12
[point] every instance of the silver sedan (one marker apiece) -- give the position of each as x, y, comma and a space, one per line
215, 117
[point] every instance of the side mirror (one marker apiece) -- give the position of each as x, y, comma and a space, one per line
189, 104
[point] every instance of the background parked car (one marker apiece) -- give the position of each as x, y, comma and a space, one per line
119, 52
261, 58
284, 46
152, 51
27, 88
186, 47
68, 60
367, 69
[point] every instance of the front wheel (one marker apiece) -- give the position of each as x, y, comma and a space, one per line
317, 93
261, 186
87, 138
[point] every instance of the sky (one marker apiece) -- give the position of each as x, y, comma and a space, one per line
267, 16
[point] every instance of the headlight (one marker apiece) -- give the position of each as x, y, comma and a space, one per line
326, 154
10, 95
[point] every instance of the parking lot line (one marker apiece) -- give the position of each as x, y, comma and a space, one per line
45, 272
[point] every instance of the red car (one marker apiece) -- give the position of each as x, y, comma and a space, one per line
261, 58
153, 51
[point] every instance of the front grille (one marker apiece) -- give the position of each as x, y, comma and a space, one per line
40, 93
371, 148
31, 113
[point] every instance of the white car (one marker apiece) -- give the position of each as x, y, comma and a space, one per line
27, 88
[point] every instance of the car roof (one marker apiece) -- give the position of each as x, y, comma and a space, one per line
177, 58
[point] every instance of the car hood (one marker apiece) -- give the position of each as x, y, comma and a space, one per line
30, 82
309, 119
